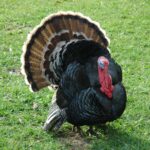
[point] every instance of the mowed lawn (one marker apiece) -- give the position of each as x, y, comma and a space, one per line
22, 113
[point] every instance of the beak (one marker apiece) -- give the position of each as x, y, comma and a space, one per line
101, 64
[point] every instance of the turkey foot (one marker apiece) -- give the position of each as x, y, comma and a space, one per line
103, 127
78, 130
91, 132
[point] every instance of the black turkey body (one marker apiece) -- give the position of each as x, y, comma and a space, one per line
79, 91
63, 51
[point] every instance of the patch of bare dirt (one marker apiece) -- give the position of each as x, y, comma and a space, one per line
73, 140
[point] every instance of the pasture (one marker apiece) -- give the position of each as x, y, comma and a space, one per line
22, 113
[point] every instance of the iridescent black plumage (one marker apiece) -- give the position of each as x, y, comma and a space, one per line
86, 105
62, 51
79, 89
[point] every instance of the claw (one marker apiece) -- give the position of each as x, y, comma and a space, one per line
91, 132
78, 130
103, 127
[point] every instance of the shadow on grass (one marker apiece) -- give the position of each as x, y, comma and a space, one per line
121, 140
110, 139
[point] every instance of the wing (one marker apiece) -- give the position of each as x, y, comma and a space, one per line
72, 82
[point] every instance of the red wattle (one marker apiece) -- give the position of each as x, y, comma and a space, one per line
105, 82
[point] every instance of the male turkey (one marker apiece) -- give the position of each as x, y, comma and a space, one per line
70, 51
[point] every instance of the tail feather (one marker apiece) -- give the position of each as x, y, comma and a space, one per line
41, 44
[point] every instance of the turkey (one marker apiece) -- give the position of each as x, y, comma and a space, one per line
70, 52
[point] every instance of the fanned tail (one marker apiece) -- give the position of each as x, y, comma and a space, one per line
48, 38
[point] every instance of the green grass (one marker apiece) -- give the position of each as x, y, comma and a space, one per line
127, 25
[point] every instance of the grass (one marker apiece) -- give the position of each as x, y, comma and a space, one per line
127, 25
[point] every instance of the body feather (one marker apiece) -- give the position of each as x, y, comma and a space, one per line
85, 104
